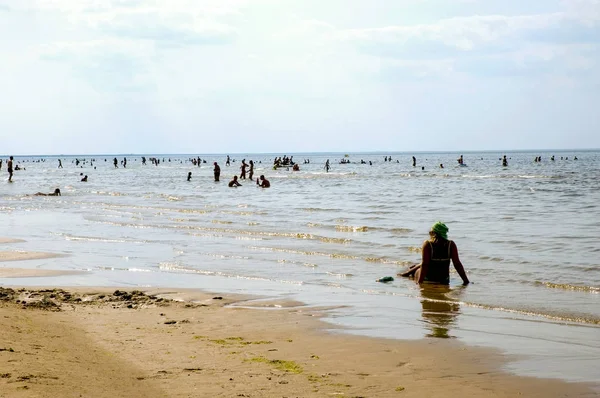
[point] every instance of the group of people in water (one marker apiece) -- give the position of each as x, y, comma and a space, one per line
437, 252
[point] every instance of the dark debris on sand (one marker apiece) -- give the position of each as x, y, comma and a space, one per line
53, 299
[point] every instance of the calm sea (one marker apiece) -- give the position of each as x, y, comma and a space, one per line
528, 236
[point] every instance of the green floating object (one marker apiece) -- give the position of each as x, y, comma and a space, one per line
385, 279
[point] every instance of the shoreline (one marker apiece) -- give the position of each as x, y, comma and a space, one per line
186, 342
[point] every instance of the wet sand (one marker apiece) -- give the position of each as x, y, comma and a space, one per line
161, 343
18, 255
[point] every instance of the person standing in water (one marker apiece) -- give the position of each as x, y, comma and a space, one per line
189, 177
414, 161
437, 252
504, 161
251, 171
116, 163
243, 168
228, 161
60, 166
327, 166
9, 165
217, 171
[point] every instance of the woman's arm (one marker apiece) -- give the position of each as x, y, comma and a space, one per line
457, 264
425, 258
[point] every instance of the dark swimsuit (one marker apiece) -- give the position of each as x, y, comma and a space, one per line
439, 265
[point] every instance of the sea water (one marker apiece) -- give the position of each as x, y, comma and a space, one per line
527, 234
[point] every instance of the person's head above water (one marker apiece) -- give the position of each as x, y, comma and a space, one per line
440, 229
57, 191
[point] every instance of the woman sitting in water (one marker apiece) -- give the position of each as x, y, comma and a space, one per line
435, 261
55, 193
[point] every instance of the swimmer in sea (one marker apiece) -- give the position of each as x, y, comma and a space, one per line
243, 168
263, 182
217, 171
10, 168
251, 171
189, 177
55, 193
234, 182
437, 252
84, 179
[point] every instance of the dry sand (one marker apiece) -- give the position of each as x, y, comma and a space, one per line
102, 343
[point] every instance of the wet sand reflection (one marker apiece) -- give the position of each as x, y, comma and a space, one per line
439, 310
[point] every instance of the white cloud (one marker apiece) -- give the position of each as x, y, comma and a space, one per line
467, 34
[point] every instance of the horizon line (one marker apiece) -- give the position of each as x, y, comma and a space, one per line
377, 152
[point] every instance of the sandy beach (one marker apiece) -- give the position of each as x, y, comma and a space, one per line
117, 343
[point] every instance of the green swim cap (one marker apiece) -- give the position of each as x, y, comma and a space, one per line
440, 229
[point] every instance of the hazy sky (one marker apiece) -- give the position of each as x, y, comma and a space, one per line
231, 76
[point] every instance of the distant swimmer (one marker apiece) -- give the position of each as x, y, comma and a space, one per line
234, 182
217, 171
437, 252
263, 182
55, 193
504, 161
84, 179
60, 166
296, 167
10, 168
189, 177
116, 163
441, 165
228, 161
460, 160
327, 166
414, 159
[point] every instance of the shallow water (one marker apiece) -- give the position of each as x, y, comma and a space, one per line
527, 235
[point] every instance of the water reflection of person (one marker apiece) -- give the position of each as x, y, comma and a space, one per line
439, 310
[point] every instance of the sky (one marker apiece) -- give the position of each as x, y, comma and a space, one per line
270, 76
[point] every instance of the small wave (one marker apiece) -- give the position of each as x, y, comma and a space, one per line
401, 230
175, 267
315, 209
559, 318
348, 228
138, 270
565, 286
339, 275
99, 239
